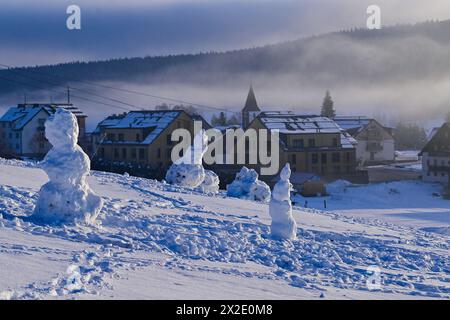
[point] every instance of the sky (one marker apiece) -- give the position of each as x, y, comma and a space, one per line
35, 32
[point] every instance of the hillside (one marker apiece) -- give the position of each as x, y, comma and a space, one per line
157, 241
389, 54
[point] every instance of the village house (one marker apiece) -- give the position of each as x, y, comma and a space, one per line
140, 137
436, 157
310, 143
22, 129
375, 142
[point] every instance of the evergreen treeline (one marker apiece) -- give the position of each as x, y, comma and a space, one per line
330, 56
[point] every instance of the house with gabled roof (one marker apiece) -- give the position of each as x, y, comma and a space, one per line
22, 128
310, 143
436, 156
375, 141
141, 137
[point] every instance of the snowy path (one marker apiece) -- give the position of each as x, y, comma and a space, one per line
158, 241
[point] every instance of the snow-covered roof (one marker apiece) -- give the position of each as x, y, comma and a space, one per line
24, 113
291, 123
352, 122
158, 121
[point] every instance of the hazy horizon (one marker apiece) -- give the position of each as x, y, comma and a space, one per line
35, 34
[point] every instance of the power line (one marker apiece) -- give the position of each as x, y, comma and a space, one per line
72, 88
58, 92
146, 94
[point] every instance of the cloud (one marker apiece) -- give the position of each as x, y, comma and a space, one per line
138, 27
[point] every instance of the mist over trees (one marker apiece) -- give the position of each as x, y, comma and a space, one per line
409, 137
191, 110
356, 55
222, 120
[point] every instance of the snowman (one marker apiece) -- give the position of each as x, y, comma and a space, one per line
66, 198
188, 171
280, 208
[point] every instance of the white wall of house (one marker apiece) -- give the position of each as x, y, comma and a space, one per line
431, 176
30, 146
375, 143
387, 153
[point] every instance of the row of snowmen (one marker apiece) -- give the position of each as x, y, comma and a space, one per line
67, 196
189, 172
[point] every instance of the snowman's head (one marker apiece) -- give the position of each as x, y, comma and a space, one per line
61, 129
285, 173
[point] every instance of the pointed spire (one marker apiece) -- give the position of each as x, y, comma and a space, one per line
250, 103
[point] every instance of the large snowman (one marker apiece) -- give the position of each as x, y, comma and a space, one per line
280, 208
66, 198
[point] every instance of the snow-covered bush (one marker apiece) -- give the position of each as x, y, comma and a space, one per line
280, 208
66, 198
185, 175
247, 186
210, 183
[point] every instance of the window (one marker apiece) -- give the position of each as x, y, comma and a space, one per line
337, 169
335, 142
311, 143
116, 153
298, 143
336, 157
138, 137
17, 135
348, 156
324, 158
315, 158
293, 159
141, 154
121, 137
124, 153
111, 137
133, 153
102, 152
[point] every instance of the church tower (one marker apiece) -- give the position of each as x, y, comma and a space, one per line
251, 110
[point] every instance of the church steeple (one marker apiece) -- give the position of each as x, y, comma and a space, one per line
250, 103
251, 109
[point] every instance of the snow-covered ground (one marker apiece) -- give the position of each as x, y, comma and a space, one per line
158, 241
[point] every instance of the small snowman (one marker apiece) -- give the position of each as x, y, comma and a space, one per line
66, 198
188, 171
280, 208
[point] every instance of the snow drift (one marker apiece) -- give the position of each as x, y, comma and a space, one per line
280, 208
210, 183
247, 186
66, 197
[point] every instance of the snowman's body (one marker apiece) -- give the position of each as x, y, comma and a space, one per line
66, 197
280, 208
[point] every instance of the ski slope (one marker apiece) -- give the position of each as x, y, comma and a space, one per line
157, 241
